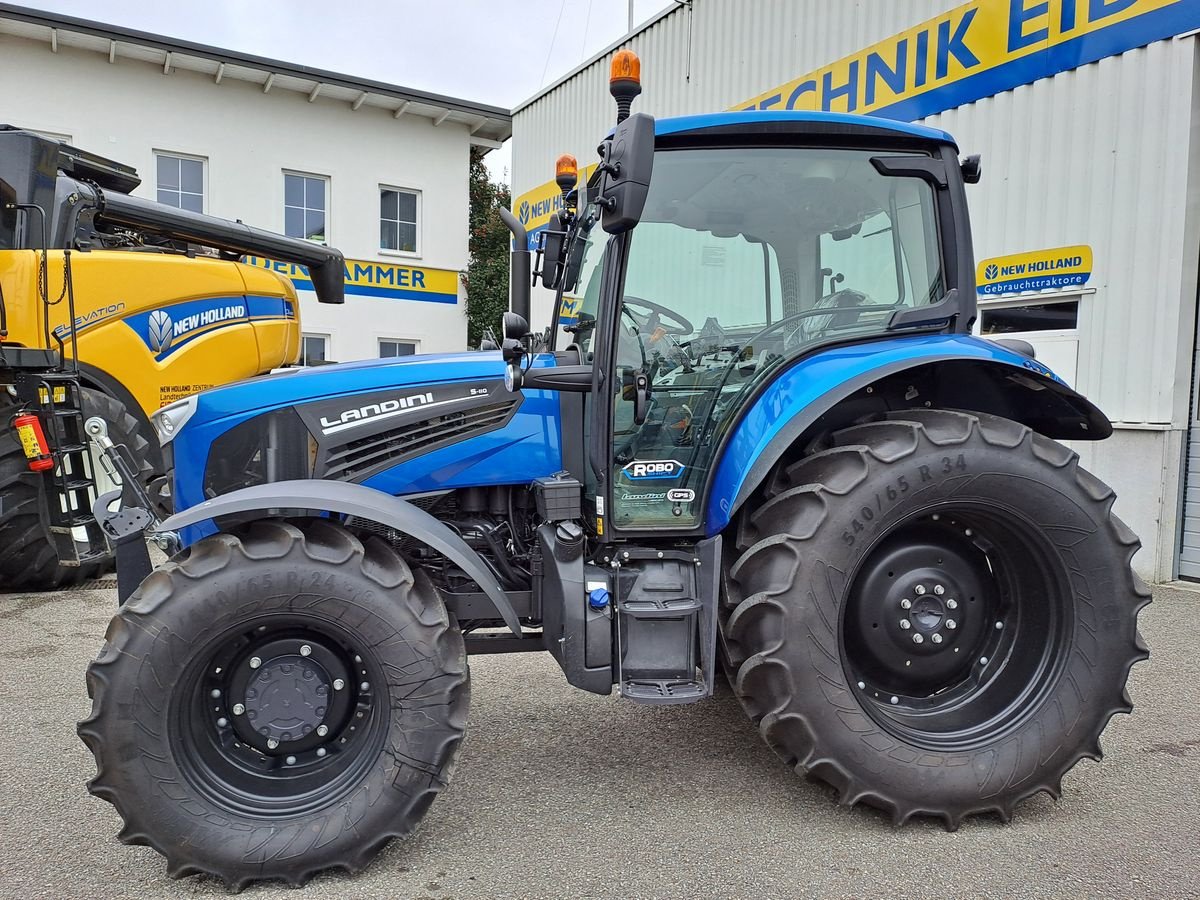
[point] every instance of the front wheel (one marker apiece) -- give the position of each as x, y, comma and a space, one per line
937, 615
276, 703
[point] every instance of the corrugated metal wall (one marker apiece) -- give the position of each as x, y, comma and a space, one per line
1099, 156
738, 49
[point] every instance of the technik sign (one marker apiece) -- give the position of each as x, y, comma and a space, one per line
976, 50
374, 279
1035, 270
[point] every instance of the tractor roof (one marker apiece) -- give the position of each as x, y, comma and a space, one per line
827, 122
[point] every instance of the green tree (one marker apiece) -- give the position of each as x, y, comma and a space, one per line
486, 278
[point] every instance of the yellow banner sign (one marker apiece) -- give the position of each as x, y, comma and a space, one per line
1035, 270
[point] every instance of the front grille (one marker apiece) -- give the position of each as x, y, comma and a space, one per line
362, 458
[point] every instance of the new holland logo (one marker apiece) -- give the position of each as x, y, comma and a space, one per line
992, 271
161, 330
653, 470
524, 213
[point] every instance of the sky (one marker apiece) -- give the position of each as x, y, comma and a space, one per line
498, 52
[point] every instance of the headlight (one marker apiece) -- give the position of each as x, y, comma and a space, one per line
168, 420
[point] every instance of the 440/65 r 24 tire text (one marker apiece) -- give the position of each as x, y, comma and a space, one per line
936, 615
275, 703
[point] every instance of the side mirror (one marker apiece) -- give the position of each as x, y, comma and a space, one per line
972, 169
513, 326
553, 239
627, 166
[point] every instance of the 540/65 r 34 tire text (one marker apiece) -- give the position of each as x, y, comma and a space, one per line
275, 703
936, 615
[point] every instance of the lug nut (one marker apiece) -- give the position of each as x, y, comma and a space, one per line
255, 662
305, 650
938, 589
920, 589
862, 685
272, 743
291, 760
906, 603
999, 625
322, 730
983, 660
338, 684
321, 751
918, 639
951, 624
905, 624
222, 722
215, 694
365, 686
951, 603
895, 700
937, 638
238, 709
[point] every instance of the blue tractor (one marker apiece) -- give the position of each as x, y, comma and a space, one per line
759, 437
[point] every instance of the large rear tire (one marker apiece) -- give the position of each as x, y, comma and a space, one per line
28, 559
936, 616
277, 703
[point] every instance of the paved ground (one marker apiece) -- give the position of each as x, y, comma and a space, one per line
560, 793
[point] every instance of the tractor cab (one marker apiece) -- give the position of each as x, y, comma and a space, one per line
760, 237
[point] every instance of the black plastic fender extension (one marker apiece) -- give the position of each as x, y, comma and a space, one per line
364, 503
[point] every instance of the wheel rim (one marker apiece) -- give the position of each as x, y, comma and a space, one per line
955, 625
279, 716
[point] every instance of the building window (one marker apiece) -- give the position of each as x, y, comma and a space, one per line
398, 210
1027, 317
314, 349
389, 348
304, 206
181, 181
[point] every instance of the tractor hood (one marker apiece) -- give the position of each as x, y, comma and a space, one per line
297, 386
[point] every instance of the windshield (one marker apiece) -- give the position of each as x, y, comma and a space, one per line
745, 258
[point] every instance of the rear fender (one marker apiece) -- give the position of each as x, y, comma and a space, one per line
835, 387
348, 499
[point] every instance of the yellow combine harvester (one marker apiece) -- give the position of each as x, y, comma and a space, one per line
147, 304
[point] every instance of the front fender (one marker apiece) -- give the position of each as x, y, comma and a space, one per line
969, 373
361, 502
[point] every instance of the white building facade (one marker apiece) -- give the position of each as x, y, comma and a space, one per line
378, 171
1086, 223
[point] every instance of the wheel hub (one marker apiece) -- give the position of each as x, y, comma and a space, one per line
921, 609
288, 696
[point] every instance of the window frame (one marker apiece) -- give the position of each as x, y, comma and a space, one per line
325, 337
284, 206
418, 223
415, 342
191, 157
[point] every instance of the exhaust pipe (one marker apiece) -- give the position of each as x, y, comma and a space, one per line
326, 266
518, 272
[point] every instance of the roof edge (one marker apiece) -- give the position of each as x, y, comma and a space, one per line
247, 60
596, 57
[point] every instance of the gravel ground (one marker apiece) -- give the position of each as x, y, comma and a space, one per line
561, 793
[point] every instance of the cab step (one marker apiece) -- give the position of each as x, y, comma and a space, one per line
666, 623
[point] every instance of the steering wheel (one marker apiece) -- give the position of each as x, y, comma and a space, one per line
681, 327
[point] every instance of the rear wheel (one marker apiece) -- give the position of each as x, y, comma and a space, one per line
274, 704
937, 616
28, 559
